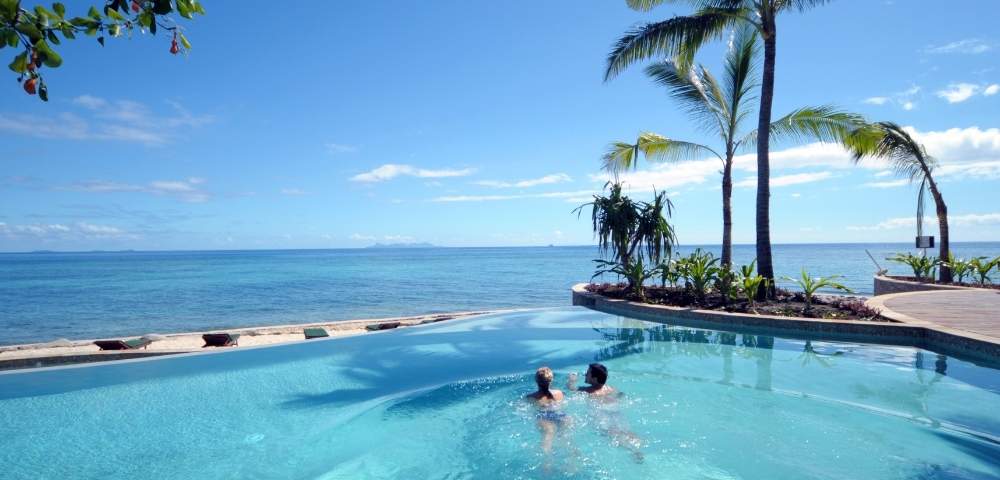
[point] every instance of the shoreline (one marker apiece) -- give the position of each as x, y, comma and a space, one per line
68, 352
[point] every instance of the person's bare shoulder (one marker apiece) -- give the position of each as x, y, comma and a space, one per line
557, 394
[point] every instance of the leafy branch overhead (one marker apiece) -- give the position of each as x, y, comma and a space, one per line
37, 30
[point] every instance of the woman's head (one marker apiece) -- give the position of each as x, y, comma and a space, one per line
544, 377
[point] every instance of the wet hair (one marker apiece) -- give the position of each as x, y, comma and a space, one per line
543, 378
599, 373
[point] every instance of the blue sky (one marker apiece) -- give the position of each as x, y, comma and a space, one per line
341, 124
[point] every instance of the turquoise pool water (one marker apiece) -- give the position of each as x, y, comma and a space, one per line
443, 402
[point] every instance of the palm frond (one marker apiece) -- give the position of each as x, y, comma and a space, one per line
619, 157
797, 5
695, 91
889, 141
921, 194
823, 123
657, 148
740, 81
680, 35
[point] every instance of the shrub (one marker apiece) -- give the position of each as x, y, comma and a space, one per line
982, 268
924, 268
634, 272
959, 267
750, 284
699, 271
811, 285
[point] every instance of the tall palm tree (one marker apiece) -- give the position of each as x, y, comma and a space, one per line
682, 36
908, 159
719, 106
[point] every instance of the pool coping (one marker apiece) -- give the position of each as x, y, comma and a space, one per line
953, 342
223, 351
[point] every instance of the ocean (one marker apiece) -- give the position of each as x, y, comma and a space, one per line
47, 296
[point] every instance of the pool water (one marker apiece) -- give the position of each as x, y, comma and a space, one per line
443, 401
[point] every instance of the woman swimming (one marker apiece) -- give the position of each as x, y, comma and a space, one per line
550, 417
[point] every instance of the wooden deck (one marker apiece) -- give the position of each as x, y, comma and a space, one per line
974, 310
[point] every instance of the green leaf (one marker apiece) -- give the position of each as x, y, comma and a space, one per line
52, 36
30, 30
152, 26
20, 63
145, 19
68, 33
114, 15
82, 21
60, 9
43, 93
198, 8
49, 57
184, 8
184, 41
12, 39
44, 13
94, 13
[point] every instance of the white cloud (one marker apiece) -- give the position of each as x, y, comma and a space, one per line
908, 105
967, 46
876, 100
390, 171
904, 98
888, 183
958, 92
335, 148
79, 230
585, 194
991, 90
884, 173
293, 192
360, 237
186, 190
121, 120
970, 219
90, 102
786, 180
545, 180
665, 175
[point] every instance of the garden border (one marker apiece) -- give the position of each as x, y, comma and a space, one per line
953, 342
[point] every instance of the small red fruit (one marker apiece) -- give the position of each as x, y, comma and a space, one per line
174, 48
29, 86
135, 6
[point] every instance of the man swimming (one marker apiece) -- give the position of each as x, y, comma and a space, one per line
596, 378
605, 414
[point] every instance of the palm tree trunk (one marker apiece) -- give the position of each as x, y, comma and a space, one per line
764, 265
727, 211
942, 215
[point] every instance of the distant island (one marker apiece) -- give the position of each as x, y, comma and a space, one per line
402, 245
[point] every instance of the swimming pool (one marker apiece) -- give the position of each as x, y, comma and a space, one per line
442, 401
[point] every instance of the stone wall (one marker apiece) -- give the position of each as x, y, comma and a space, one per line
887, 285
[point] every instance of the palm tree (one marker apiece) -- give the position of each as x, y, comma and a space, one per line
682, 36
908, 159
719, 106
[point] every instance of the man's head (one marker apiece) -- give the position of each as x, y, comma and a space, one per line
597, 374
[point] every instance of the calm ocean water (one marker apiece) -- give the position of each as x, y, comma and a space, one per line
46, 296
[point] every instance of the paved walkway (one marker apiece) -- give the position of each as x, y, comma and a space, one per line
976, 311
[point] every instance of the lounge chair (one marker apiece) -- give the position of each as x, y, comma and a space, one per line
133, 344
220, 340
315, 333
382, 326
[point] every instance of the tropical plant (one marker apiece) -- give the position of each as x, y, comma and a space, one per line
727, 284
908, 159
634, 272
631, 233
810, 285
669, 272
750, 284
923, 267
960, 267
699, 271
982, 268
720, 106
683, 36
37, 29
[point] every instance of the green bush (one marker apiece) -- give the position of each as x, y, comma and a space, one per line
810, 285
924, 268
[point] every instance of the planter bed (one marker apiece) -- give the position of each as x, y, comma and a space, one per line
787, 304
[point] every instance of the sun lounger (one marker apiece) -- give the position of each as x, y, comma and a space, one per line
220, 340
315, 333
381, 326
133, 344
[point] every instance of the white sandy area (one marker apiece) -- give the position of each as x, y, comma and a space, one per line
189, 342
